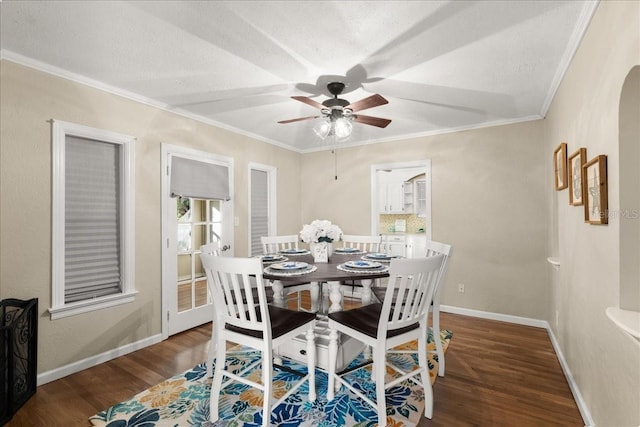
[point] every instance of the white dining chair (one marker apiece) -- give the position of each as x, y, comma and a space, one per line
382, 326
273, 245
363, 243
253, 323
214, 249
433, 248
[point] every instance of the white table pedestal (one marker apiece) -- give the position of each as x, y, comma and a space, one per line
348, 348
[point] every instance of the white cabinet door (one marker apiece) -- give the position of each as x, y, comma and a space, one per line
395, 245
382, 193
416, 245
395, 195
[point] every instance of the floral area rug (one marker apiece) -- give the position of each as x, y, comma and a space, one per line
183, 400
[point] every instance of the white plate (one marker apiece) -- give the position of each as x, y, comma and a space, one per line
293, 251
293, 265
272, 257
363, 264
379, 256
347, 250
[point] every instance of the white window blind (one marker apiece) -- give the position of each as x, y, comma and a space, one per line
199, 180
259, 209
92, 219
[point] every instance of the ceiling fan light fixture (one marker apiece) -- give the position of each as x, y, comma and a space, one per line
342, 128
338, 114
323, 128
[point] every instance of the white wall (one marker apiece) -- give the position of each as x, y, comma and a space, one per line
487, 201
605, 363
29, 99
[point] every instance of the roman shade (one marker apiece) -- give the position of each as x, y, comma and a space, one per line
199, 180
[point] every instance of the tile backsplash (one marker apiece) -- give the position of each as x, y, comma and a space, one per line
414, 223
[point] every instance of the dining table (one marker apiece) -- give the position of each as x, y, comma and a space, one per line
340, 268
333, 273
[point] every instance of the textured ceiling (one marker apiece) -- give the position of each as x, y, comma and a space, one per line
442, 65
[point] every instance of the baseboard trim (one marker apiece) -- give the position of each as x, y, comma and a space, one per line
80, 365
582, 405
495, 316
575, 391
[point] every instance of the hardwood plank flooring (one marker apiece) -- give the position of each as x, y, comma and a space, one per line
497, 374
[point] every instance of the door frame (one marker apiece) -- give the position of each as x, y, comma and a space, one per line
168, 240
426, 165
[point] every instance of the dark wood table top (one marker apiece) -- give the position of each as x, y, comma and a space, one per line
326, 272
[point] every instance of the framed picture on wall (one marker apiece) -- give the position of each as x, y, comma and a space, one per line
595, 195
576, 188
560, 166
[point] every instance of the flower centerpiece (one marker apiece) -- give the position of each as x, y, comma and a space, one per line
320, 234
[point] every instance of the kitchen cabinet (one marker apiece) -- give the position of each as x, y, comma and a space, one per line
395, 193
407, 197
420, 191
394, 244
416, 245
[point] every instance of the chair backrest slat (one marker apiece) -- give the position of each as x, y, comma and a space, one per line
274, 244
234, 278
411, 286
364, 243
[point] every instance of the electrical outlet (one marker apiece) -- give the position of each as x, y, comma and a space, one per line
461, 288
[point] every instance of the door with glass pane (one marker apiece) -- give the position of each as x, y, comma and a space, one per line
189, 223
198, 222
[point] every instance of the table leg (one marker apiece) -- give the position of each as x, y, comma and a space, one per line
314, 290
367, 295
278, 294
335, 295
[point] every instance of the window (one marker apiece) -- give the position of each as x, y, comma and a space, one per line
199, 223
261, 205
93, 219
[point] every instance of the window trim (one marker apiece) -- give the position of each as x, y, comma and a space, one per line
60, 130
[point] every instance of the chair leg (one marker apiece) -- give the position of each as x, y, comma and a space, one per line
212, 349
216, 384
379, 369
267, 376
311, 364
436, 337
424, 375
333, 356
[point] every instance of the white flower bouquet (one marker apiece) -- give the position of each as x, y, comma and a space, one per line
320, 231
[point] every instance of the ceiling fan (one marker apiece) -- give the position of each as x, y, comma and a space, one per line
339, 113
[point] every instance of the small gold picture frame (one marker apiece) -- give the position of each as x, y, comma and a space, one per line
576, 176
560, 166
595, 194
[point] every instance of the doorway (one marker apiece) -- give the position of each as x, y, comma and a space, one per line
191, 219
401, 206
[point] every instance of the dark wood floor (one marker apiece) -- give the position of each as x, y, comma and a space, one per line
498, 374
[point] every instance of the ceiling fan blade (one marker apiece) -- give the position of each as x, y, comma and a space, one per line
309, 101
373, 121
368, 102
299, 119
